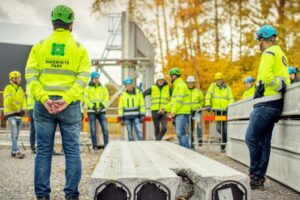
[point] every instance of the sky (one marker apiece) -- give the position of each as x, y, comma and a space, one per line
28, 22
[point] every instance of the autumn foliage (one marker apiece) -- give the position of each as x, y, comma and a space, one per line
203, 37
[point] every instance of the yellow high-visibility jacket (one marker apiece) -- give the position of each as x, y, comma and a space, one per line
160, 96
58, 66
14, 100
272, 70
218, 98
30, 99
97, 95
196, 99
249, 93
180, 100
131, 105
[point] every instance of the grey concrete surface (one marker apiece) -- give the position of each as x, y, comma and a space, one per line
285, 153
134, 162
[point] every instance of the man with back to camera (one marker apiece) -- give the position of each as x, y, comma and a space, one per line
57, 72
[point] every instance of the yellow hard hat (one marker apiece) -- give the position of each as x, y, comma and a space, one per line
14, 74
218, 76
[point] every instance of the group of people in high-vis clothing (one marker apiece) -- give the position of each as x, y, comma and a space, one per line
57, 75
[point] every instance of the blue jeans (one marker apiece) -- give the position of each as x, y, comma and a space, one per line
45, 126
181, 123
103, 123
197, 119
32, 130
258, 138
130, 123
14, 123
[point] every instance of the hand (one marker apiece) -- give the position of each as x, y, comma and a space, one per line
162, 110
283, 87
22, 113
59, 105
172, 114
208, 108
48, 105
122, 122
94, 107
141, 119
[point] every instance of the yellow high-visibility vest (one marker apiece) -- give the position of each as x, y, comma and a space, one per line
58, 66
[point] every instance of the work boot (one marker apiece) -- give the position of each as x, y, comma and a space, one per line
72, 198
200, 143
222, 149
257, 183
42, 198
33, 150
17, 155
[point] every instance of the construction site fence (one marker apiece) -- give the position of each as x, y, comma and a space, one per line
208, 123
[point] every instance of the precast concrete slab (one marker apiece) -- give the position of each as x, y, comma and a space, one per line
242, 109
285, 155
182, 172
285, 134
291, 100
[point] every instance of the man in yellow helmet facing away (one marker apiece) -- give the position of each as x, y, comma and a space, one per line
218, 96
57, 72
250, 88
14, 108
272, 79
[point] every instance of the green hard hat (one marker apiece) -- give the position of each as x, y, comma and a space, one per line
175, 71
63, 13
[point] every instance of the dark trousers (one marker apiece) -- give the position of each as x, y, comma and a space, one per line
32, 130
160, 121
222, 128
258, 138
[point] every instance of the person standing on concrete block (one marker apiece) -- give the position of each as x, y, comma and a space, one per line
30, 106
272, 80
250, 88
96, 98
160, 94
196, 102
179, 107
132, 109
218, 96
14, 102
57, 73
293, 74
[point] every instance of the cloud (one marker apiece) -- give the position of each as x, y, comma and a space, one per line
36, 13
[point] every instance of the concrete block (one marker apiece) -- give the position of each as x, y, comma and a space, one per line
291, 100
285, 153
182, 171
242, 109
285, 134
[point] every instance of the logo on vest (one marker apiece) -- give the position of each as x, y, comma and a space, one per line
58, 49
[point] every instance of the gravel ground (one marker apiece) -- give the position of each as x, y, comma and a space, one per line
16, 176
273, 190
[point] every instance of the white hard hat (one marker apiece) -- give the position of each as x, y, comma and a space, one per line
190, 79
160, 76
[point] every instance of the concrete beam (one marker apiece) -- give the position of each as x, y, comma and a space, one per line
285, 154
184, 172
242, 109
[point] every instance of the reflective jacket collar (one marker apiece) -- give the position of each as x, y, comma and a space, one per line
61, 31
14, 85
177, 80
91, 84
132, 92
161, 86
